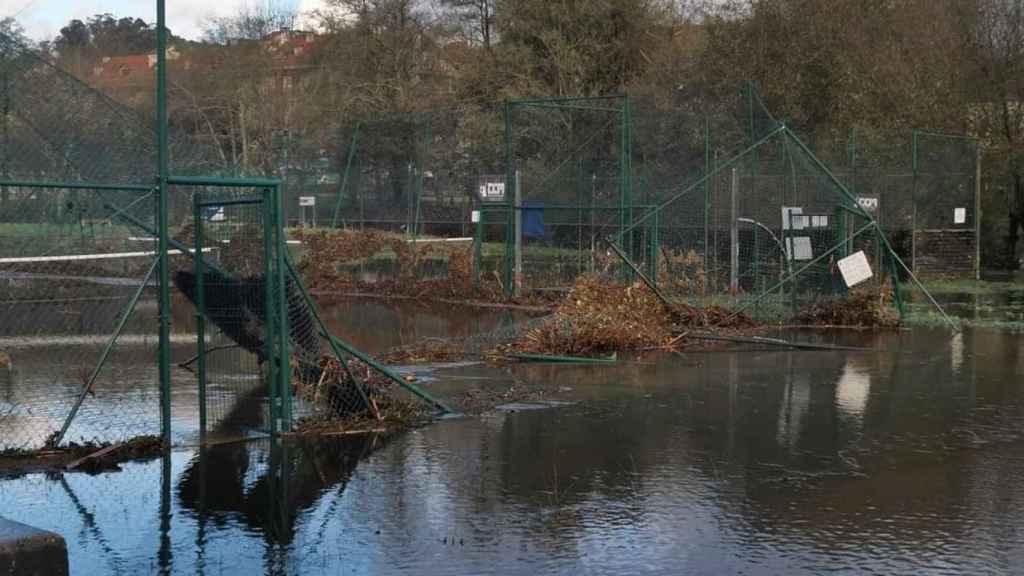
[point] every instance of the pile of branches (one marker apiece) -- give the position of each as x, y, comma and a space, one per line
86, 456
338, 405
864, 308
686, 317
328, 265
598, 317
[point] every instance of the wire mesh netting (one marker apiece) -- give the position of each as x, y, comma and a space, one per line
945, 207
414, 174
79, 348
767, 231
74, 269
230, 289
716, 206
72, 277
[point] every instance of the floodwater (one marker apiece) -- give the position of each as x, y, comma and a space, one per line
903, 459
1001, 306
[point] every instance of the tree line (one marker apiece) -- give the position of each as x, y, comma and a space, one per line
873, 68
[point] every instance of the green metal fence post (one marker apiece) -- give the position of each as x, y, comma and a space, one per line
913, 202
162, 226
270, 313
655, 248
200, 303
707, 196
625, 187
509, 202
478, 240
897, 290
428, 136
284, 302
343, 188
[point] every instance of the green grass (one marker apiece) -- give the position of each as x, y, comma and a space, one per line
36, 230
976, 287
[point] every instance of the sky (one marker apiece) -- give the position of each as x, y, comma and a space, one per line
43, 19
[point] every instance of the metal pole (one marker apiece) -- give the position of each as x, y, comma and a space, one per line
707, 196
655, 249
478, 240
913, 203
270, 313
283, 305
344, 179
734, 236
162, 224
977, 210
510, 175
518, 207
200, 313
626, 175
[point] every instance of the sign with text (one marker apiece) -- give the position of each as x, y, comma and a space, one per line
868, 202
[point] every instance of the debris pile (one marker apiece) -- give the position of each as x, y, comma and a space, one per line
339, 406
598, 318
332, 258
863, 308
91, 457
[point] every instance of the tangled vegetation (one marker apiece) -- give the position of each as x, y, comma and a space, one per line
861, 308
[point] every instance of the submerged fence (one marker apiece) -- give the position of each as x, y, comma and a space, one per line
712, 206
100, 213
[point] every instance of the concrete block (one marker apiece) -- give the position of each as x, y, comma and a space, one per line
28, 551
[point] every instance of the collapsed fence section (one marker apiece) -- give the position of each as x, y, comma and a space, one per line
783, 238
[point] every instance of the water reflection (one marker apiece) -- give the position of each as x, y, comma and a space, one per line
268, 485
853, 389
756, 462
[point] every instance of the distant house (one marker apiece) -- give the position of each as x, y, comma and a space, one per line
115, 73
291, 54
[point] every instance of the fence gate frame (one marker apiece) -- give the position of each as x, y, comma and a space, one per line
275, 308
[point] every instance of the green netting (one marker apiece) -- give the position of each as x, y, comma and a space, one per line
79, 348
54, 127
73, 273
414, 174
945, 206
766, 230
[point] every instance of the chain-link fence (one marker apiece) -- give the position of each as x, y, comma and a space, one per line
768, 230
946, 200
82, 349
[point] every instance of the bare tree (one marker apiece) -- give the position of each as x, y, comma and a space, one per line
994, 35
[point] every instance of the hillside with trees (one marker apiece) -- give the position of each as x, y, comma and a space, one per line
869, 70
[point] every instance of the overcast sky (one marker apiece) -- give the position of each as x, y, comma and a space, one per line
43, 19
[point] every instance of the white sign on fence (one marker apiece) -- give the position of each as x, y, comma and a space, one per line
855, 268
959, 215
474, 216
792, 218
868, 203
799, 248
492, 188
307, 200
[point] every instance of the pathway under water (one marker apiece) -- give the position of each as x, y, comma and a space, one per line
904, 459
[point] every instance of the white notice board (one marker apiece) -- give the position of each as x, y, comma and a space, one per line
855, 268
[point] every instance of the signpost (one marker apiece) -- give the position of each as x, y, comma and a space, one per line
307, 211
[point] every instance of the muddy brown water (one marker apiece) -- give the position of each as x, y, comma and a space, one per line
905, 459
